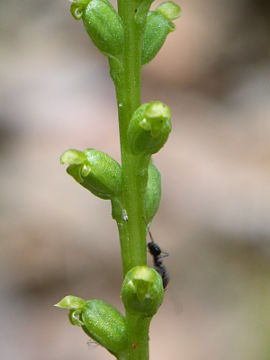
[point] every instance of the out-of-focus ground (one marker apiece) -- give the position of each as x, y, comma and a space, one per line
57, 239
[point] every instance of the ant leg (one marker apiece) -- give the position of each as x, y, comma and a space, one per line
164, 255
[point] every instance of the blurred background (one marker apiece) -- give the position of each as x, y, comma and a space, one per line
58, 239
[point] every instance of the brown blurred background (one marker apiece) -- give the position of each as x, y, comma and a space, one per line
58, 239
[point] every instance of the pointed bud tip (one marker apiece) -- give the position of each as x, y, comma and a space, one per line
71, 302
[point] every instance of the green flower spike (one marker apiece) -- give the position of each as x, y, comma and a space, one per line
129, 38
102, 23
149, 128
94, 170
142, 291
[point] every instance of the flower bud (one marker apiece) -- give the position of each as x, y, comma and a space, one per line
102, 23
142, 291
94, 170
153, 193
149, 128
158, 25
99, 320
104, 324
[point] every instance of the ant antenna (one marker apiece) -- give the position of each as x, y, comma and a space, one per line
148, 230
150, 235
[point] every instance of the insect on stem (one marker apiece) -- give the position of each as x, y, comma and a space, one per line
158, 255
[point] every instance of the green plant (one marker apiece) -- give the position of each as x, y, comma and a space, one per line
130, 38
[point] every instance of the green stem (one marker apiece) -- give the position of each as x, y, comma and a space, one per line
132, 232
138, 338
127, 79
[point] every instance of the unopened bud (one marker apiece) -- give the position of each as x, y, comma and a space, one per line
94, 170
102, 23
158, 25
142, 291
106, 325
99, 320
149, 128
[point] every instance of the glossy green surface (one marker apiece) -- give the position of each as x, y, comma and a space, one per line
153, 193
94, 170
104, 26
104, 324
149, 128
142, 291
156, 30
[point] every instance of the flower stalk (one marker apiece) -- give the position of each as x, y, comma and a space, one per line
129, 38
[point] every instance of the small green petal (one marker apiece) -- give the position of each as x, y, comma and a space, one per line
72, 157
157, 109
74, 317
169, 10
71, 302
76, 11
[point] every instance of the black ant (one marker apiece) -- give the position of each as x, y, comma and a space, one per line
158, 255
